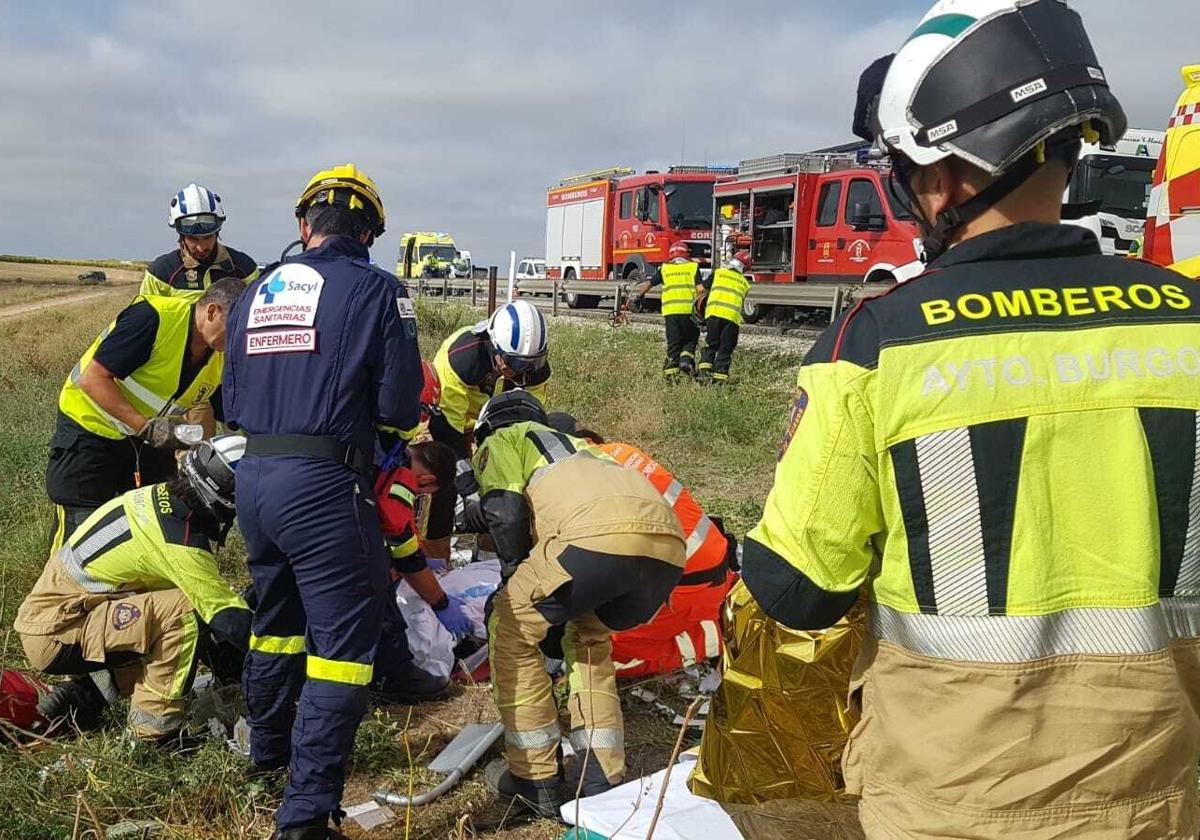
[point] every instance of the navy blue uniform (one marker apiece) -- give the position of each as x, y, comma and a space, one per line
321, 354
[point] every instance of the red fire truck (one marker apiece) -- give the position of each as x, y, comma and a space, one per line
616, 225
816, 217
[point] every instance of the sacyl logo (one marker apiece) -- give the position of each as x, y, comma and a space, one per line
272, 287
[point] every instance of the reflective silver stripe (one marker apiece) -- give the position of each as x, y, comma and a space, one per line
554, 448
1188, 582
1102, 631
160, 724
143, 393
533, 739
107, 685
597, 739
1183, 617
696, 540
87, 549
947, 471
541, 471
77, 371
687, 650
672, 493
67, 557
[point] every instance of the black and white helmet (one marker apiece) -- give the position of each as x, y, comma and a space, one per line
209, 468
988, 80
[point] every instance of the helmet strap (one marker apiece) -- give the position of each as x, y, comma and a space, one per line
937, 235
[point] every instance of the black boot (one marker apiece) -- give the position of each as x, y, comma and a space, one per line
317, 829
409, 685
542, 797
77, 701
594, 780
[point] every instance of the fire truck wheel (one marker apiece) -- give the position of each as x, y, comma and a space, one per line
752, 312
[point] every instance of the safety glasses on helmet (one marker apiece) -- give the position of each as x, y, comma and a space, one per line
524, 364
202, 224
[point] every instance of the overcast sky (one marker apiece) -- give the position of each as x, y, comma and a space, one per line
464, 113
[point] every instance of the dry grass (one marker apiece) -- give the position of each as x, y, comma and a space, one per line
719, 442
65, 273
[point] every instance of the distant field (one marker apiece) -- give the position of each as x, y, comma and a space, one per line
15, 258
16, 271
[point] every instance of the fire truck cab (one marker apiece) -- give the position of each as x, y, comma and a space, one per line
815, 217
614, 224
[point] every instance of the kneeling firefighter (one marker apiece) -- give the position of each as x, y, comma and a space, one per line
607, 553
134, 597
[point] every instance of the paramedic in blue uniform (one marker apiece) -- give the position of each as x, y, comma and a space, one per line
322, 364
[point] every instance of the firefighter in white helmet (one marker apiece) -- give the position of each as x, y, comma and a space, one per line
197, 216
1000, 457
508, 350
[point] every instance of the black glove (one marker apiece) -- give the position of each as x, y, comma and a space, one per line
471, 520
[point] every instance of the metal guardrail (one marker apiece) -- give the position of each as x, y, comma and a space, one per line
834, 297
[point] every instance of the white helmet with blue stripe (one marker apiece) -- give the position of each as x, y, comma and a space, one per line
196, 211
518, 334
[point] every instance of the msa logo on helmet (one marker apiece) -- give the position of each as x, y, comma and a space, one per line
944, 130
1027, 90
288, 297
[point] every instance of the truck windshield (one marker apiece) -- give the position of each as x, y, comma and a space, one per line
689, 204
444, 253
1120, 183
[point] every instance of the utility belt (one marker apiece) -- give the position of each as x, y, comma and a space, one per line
314, 446
713, 576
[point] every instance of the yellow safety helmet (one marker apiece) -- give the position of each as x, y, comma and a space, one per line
347, 186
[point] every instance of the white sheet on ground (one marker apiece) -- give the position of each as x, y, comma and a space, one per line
624, 813
431, 644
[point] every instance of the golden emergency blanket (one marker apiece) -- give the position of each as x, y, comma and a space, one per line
772, 746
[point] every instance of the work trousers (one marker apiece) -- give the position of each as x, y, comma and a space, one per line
720, 340
682, 336
594, 586
146, 641
320, 572
90, 470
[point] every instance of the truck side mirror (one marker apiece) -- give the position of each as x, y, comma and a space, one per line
861, 217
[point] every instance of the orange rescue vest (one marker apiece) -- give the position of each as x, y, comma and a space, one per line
688, 627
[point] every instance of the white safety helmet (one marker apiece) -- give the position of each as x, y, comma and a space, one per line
988, 81
196, 211
518, 333
209, 469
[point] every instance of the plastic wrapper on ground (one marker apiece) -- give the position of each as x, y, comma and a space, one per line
772, 748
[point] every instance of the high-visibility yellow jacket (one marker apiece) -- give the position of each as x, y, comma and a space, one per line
1003, 456
465, 369
178, 274
143, 541
153, 388
678, 287
727, 294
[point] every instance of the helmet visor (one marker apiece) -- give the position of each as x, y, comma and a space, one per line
202, 224
525, 364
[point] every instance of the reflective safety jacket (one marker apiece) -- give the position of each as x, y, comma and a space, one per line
1002, 454
396, 496
725, 297
678, 286
467, 374
687, 628
143, 541
178, 274
152, 389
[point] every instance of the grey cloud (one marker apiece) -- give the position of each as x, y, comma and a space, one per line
464, 116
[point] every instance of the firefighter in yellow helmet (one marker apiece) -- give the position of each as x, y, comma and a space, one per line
1001, 458
323, 367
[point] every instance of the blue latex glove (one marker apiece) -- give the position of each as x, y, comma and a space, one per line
436, 564
454, 617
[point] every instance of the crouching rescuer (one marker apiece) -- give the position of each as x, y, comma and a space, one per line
133, 600
607, 553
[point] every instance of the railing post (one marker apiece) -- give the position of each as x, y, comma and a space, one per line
492, 272
474, 290
554, 305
